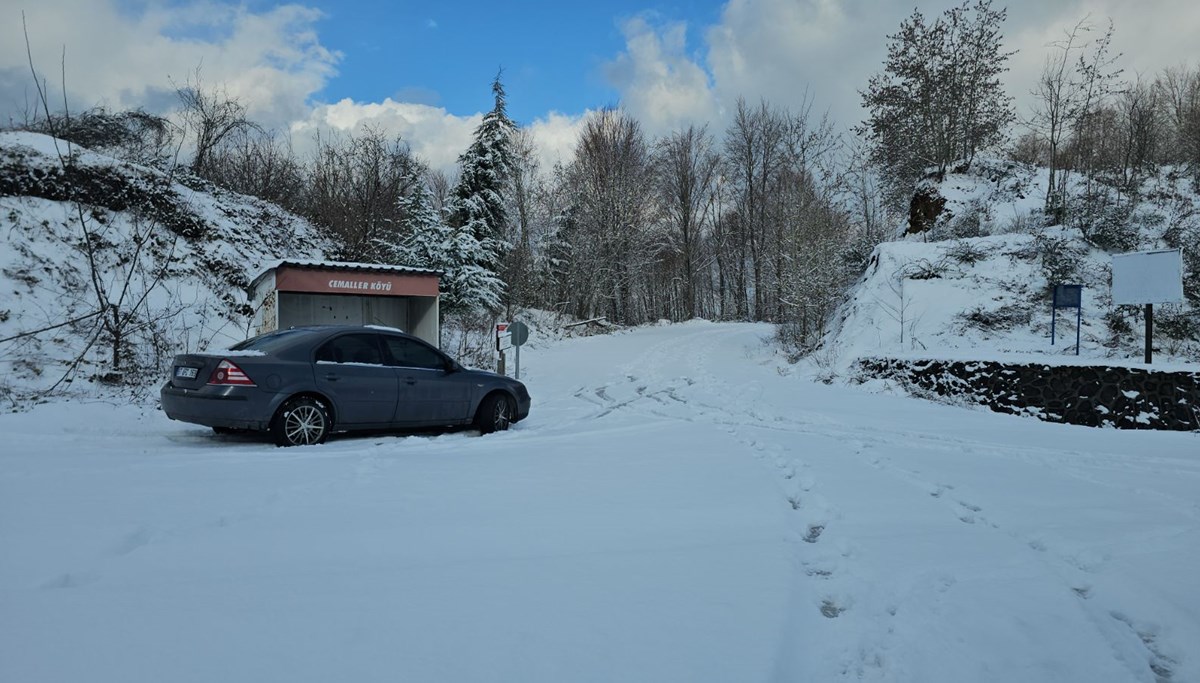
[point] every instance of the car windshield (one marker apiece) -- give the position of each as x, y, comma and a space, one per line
267, 343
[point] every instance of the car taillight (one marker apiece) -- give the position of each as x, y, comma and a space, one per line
228, 373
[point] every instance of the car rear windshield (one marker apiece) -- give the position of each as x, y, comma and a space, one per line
269, 342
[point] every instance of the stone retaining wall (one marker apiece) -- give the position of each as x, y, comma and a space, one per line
1092, 395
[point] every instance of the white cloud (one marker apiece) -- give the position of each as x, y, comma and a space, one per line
556, 136
126, 55
272, 61
660, 85
1148, 36
787, 51
434, 134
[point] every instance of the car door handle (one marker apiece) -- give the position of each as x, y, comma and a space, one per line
410, 380
331, 377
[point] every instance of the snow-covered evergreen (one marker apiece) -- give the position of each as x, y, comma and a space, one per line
427, 241
478, 204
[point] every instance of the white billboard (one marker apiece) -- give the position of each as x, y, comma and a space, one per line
1148, 277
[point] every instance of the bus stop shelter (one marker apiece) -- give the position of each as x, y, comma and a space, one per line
292, 293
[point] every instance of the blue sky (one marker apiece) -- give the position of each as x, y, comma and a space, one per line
422, 70
446, 54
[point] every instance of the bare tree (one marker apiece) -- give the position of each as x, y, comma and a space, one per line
1055, 102
686, 170
212, 116
800, 198
754, 153
1077, 78
123, 274
259, 164
440, 186
1143, 131
354, 188
1094, 82
1179, 93
612, 214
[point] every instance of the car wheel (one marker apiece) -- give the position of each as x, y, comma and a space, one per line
495, 414
301, 421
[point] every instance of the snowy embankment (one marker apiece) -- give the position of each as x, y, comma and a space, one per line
173, 258
678, 507
978, 285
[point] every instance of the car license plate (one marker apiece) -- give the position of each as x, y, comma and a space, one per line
185, 373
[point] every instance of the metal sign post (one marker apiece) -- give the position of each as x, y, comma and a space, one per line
1067, 296
1149, 333
520, 334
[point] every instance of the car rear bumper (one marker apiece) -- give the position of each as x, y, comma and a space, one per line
224, 406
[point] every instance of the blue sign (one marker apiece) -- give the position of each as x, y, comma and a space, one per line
1067, 296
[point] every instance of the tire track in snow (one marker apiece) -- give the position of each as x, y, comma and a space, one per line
709, 399
821, 589
1071, 570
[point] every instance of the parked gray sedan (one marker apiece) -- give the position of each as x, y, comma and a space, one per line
303, 383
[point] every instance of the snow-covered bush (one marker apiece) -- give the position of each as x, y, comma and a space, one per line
1105, 221
1005, 318
974, 221
925, 269
966, 252
1060, 257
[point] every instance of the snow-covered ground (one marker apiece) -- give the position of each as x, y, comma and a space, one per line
678, 507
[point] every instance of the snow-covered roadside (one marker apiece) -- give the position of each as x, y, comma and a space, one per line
676, 508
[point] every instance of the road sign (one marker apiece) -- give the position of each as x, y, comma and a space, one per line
519, 332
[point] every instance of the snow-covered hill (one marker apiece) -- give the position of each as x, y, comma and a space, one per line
183, 287
977, 285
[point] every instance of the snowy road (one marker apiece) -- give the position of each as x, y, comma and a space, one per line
677, 508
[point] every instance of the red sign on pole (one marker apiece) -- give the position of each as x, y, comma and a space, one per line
501, 334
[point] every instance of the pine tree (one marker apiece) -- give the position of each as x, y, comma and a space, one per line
477, 204
424, 240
